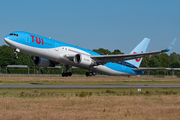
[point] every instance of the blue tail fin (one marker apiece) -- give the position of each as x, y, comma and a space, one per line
140, 48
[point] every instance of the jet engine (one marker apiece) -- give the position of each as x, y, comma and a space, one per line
84, 60
42, 62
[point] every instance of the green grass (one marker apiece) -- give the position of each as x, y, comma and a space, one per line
33, 93
90, 82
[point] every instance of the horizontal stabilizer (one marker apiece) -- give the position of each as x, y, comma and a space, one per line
151, 69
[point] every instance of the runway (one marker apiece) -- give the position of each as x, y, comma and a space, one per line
73, 86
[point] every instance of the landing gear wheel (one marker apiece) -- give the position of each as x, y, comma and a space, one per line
89, 74
63, 74
15, 57
67, 74
70, 73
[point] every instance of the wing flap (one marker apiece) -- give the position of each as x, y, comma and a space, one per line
122, 57
148, 69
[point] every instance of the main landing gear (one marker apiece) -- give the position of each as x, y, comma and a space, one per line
15, 51
91, 72
66, 74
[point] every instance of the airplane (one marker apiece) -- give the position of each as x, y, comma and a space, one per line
49, 52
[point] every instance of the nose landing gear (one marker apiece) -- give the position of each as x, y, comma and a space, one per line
15, 57
15, 51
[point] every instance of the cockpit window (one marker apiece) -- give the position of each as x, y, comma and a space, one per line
13, 34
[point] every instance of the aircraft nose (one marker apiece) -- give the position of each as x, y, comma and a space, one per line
6, 40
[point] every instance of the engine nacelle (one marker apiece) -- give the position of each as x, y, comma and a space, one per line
42, 62
84, 60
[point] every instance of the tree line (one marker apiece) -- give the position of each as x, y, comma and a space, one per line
157, 60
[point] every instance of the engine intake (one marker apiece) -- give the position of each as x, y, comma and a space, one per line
42, 62
84, 60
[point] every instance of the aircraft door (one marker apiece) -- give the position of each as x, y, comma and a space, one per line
123, 65
56, 46
27, 39
17, 39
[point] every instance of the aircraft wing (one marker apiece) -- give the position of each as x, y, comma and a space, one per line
122, 57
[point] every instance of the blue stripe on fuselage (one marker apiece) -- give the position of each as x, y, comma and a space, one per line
126, 64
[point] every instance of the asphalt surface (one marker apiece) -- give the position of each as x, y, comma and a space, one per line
102, 86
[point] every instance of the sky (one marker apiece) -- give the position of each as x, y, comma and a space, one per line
93, 24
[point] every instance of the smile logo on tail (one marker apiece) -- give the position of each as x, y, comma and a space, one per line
138, 59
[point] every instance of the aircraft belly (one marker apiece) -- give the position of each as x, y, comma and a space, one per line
105, 70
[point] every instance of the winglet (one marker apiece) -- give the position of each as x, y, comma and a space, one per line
170, 46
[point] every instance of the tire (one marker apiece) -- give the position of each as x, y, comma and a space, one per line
70, 73
15, 57
87, 74
66, 74
63, 75
90, 74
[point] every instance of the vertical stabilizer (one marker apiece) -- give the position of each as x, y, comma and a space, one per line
140, 48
